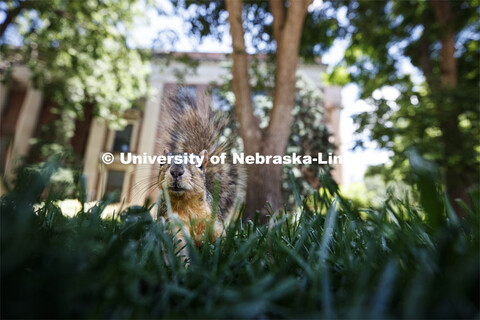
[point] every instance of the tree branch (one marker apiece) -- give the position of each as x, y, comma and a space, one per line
285, 79
448, 65
443, 12
278, 13
10, 18
249, 127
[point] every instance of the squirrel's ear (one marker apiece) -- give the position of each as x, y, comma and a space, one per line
204, 154
165, 151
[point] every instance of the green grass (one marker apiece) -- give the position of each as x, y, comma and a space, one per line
402, 261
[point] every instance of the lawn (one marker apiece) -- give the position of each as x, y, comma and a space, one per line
327, 259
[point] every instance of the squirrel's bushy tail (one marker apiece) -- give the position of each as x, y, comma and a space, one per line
193, 127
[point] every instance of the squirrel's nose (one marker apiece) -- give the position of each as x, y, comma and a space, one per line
177, 171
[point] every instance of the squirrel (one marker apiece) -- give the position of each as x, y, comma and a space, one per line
203, 193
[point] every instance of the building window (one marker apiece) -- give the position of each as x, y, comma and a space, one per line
123, 138
115, 183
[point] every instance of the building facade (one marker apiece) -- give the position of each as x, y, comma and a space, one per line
25, 110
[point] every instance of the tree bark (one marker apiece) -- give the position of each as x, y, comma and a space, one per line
264, 181
278, 11
249, 128
456, 176
287, 57
448, 63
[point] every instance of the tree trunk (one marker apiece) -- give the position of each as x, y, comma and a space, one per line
264, 181
456, 175
448, 63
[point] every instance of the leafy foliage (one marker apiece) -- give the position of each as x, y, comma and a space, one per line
394, 55
208, 19
77, 53
396, 263
308, 134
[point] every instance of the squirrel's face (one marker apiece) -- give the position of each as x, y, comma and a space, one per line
182, 180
